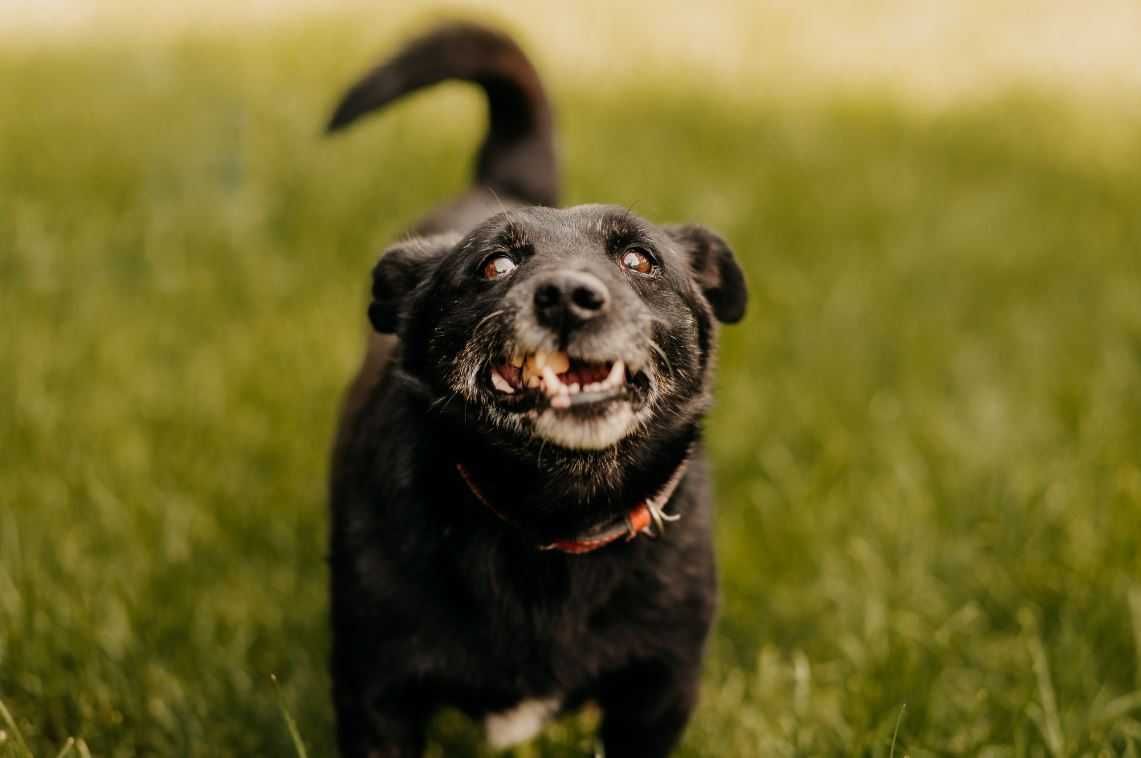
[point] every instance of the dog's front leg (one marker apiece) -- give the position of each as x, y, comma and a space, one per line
378, 725
646, 707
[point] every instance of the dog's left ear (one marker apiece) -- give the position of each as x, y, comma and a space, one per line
714, 269
401, 268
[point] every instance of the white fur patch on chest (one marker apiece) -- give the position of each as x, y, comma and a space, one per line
521, 723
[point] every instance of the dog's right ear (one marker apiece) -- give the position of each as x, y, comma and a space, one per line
401, 268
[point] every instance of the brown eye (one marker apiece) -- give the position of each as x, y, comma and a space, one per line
636, 260
497, 266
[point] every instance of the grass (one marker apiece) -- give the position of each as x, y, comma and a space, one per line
927, 442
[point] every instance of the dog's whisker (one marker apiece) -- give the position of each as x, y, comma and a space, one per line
657, 349
499, 201
487, 318
441, 403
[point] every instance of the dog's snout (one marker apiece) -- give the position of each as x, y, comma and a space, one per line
569, 298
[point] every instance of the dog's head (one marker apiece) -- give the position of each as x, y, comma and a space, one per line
575, 330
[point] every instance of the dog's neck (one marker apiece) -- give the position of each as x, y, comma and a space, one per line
648, 516
555, 494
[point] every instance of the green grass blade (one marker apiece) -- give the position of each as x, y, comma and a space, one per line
6, 718
294, 733
895, 732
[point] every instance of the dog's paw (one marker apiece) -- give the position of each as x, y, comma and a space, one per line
521, 723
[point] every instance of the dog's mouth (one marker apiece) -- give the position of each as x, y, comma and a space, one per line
562, 382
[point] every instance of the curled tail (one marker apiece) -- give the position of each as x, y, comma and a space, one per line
517, 157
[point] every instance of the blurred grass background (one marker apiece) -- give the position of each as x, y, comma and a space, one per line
928, 435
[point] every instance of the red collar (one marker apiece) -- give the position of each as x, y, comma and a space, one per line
638, 520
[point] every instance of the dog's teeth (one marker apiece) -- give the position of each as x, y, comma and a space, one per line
559, 362
500, 383
592, 387
574, 388
533, 368
560, 401
551, 382
617, 373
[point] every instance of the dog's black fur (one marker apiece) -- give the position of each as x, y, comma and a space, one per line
436, 600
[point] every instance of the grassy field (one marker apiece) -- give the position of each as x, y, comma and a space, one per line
927, 442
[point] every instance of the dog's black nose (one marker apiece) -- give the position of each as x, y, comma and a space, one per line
569, 298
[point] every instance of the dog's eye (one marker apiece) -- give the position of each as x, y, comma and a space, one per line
638, 261
497, 266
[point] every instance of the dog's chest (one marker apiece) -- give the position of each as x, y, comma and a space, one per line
505, 650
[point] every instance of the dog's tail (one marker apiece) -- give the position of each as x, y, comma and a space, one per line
517, 157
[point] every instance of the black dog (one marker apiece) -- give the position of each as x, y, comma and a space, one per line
520, 515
